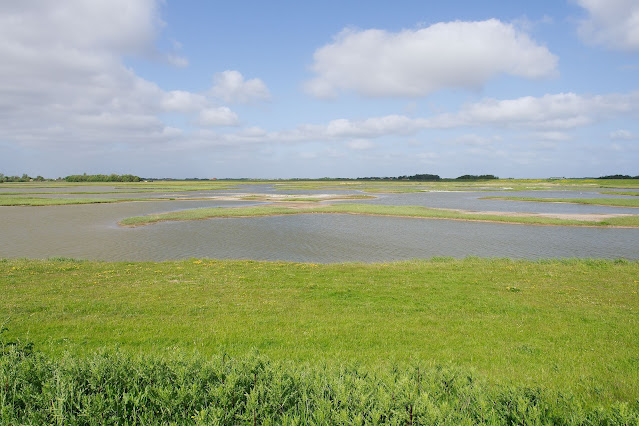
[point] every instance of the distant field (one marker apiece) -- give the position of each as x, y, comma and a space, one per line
374, 186
569, 324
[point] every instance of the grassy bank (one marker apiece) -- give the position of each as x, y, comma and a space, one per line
560, 325
371, 209
616, 202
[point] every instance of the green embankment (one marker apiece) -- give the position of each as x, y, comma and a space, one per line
370, 209
615, 202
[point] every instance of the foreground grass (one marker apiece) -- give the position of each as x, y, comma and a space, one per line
116, 388
558, 325
616, 202
370, 209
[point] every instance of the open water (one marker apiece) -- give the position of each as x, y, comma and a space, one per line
91, 232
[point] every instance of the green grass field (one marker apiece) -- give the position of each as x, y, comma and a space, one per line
563, 325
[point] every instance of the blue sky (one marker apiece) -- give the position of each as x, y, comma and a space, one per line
314, 89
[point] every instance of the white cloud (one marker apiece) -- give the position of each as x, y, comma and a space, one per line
62, 77
182, 101
371, 127
547, 118
552, 136
471, 140
220, 116
611, 23
178, 61
102, 25
231, 87
553, 111
360, 144
418, 62
622, 135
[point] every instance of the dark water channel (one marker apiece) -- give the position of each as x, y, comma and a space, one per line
91, 232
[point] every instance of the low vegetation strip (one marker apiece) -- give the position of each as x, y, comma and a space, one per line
376, 209
43, 201
568, 325
304, 198
616, 202
116, 388
630, 193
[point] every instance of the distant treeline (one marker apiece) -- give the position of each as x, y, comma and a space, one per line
618, 177
102, 178
132, 178
24, 178
429, 177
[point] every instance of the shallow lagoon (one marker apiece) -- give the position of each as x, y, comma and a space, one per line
91, 231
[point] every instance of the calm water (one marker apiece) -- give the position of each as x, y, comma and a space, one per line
91, 232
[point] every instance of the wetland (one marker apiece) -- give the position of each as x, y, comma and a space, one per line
341, 222
319, 303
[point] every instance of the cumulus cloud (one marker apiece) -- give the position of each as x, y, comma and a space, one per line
103, 25
552, 136
182, 101
415, 63
220, 116
611, 23
62, 78
553, 111
622, 135
360, 144
472, 140
178, 61
549, 118
231, 87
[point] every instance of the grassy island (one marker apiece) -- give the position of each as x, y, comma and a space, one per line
614, 202
382, 210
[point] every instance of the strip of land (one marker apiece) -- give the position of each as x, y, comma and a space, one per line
630, 193
619, 220
6, 200
613, 202
44, 201
278, 198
